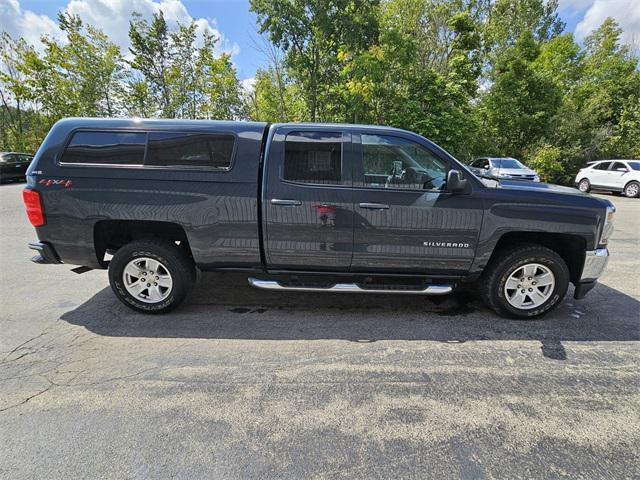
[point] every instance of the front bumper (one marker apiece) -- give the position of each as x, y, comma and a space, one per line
47, 254
595, 262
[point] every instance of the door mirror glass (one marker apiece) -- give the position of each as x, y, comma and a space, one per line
455, 182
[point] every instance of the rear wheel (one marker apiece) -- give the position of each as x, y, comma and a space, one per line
151, 276
632, 190
584, 185
525, 281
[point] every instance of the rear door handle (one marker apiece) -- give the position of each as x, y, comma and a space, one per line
285, 203
374, 206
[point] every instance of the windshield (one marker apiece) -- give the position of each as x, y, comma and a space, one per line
634, 165
506, 163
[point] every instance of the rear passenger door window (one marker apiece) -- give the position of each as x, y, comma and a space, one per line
200, 150
313, 157
105, 148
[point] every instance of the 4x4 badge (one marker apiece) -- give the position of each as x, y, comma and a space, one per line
47, 182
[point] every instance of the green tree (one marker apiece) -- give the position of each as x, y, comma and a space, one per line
507, 20
517, 109
547, 161
173, 77
219, 89
79, 77
599, 116
609, 86
151, 57
422, 73
13, 93
311, 33
275, 99
560, 59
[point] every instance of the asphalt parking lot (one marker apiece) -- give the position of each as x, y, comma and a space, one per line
241, 383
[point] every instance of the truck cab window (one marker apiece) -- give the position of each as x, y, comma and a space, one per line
112, 148
393, 162
313, 157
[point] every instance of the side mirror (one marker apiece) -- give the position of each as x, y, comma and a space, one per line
486, 167
455, 182
621, 169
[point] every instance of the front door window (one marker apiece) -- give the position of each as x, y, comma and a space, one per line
393, 162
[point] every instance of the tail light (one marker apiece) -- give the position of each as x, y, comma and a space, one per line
34, 207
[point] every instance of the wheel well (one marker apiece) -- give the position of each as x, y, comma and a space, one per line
630, 181
571, 248
110, 235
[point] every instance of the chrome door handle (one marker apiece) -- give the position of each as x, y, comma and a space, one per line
374, 206
285, 203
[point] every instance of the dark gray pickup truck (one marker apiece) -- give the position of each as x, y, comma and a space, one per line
313, 207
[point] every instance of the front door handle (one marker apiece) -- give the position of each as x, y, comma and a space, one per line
285, 203
374, 206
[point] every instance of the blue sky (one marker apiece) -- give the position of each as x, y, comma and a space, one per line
236, 25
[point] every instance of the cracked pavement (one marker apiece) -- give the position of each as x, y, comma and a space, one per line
240, 383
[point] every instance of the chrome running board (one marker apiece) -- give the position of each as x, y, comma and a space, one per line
350, 288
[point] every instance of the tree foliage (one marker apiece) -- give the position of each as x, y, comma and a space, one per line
173, 77
312, 33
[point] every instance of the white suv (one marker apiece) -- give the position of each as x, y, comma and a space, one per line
611, 175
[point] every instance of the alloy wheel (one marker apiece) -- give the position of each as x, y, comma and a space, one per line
147, 280
529, 286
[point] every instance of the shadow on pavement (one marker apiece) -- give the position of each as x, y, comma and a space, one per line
224, 307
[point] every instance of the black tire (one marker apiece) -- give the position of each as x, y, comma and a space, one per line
492, 283
632, 190
173, 259
584, 185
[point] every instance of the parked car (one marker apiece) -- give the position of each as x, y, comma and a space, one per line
499, 168
13, 165
611, 175
313, 207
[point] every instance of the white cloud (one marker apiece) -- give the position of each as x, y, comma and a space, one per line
111, 16
248, 84
625, 12
25, 23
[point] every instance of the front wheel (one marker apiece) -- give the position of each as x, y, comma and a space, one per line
151, 276
525, 282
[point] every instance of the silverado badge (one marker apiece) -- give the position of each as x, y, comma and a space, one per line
447, 244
